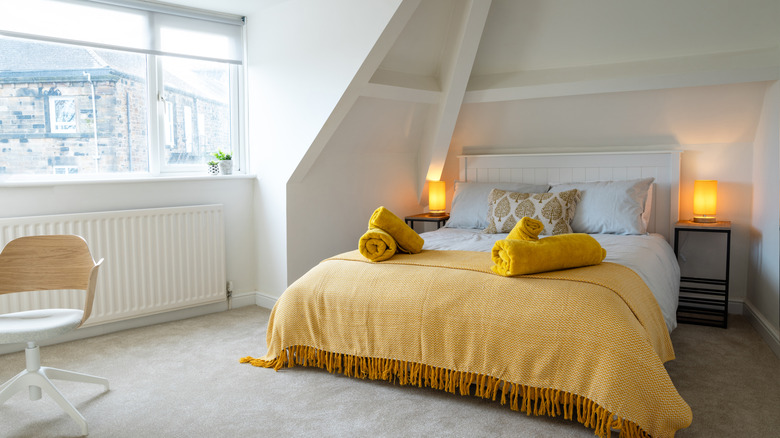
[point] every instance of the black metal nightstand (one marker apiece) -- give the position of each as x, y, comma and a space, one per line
704, 297
439, 218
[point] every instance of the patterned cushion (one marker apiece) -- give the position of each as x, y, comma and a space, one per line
555, 210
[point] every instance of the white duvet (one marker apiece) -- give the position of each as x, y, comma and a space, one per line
649, 255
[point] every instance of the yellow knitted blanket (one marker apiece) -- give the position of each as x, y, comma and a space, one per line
587, 344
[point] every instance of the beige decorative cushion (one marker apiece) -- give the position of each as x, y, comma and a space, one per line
555, 210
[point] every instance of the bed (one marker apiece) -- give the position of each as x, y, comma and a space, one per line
587, 344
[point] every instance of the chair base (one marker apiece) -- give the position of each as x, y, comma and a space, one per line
37, 378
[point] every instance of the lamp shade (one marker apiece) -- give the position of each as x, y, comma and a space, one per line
437, 200
705, 197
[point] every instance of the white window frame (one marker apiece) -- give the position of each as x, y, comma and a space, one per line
158, 112
150, 40
169, 126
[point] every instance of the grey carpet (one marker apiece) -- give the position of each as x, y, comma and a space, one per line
183, 379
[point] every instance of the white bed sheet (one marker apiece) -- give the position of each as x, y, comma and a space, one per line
650, 256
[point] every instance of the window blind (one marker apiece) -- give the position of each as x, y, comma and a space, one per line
129, 25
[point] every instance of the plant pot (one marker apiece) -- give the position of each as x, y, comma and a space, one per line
213, 169
226, 167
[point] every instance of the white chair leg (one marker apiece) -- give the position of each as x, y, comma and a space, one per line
40, 380
37, 378
58, 374
12, 386
32, 356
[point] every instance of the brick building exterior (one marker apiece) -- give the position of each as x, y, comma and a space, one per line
73, 109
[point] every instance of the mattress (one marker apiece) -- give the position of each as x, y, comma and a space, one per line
649, 255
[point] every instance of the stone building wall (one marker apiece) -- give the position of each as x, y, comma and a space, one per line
30, 145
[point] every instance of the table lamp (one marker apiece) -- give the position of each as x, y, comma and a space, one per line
705, 197
437, 200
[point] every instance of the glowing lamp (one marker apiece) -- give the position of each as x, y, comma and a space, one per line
705, 196
437, 200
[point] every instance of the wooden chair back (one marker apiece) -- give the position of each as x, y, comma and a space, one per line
55, 262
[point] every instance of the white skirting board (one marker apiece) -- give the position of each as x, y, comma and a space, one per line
770, 335
127, 324
238, 300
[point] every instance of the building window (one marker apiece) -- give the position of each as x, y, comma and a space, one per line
65, 170
62, 114
155, 92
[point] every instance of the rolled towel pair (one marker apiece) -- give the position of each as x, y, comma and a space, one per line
386, 234
564, 251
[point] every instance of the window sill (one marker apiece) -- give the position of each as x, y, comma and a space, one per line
39, 181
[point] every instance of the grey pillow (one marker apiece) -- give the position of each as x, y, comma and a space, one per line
470, 202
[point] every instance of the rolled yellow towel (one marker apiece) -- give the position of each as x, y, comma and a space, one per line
377, 245
526, 229
406, 238
564, 251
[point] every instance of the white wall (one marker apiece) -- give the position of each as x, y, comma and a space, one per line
371, 161
763, 299
235, 194
302, 57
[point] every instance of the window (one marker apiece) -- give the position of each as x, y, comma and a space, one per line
62, 114
119, 87
197, 96
65, 170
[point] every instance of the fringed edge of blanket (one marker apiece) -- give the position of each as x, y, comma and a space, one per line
522, 398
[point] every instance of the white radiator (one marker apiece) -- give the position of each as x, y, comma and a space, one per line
156, 260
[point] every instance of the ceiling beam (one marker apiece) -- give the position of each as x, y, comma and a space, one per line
457, 63
656, 74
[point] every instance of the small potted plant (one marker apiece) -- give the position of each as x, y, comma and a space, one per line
213, 167
225, 162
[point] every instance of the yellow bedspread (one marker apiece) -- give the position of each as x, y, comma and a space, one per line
587, 344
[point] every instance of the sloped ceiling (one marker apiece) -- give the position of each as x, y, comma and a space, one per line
533, 35
419, 50
551, 34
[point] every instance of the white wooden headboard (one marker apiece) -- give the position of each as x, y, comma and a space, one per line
664, 166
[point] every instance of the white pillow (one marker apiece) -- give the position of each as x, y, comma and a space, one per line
470, 202
610, 207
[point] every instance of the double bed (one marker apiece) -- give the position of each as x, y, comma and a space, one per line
587, 344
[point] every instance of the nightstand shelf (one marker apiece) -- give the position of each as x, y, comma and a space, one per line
704, 293
439, 218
